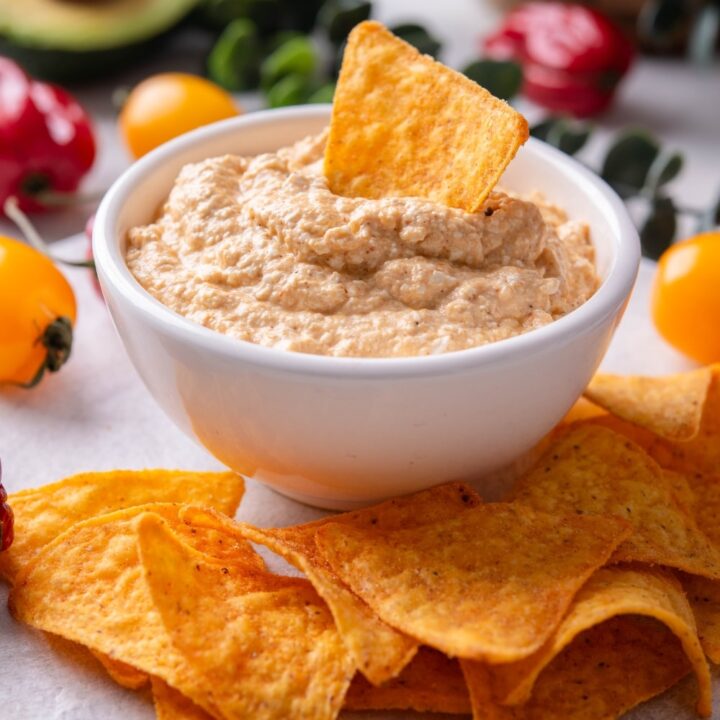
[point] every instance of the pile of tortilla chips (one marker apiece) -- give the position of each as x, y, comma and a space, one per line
592, 587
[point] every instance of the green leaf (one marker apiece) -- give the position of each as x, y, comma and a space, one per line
628, 162
568, 136
218, 14
234, 61
324, 94
300, 14
280, 38
339, 17
419, 38
541, 129
664, 169
662, 24
290, 90
502, 78
295, 57
658, 232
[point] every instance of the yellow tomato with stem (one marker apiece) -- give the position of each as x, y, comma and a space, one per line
169, 104
37, 314
686, 297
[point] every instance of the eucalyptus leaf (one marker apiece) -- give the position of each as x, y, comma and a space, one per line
570, 137
502, 78
296, 56
419, 38
628, 162
663, 24
540, 130
290, 90
658, 231
234, 61
218, 14
324, 94
662, 171
339, 17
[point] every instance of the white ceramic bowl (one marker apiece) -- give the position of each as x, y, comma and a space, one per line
341, 432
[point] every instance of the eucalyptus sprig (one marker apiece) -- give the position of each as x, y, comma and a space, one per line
636, 166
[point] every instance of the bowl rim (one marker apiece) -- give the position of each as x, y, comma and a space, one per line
112, 269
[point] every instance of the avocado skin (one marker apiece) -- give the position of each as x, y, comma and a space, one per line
67, 66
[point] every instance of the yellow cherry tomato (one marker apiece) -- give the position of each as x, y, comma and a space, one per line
686, 297
37, 314
167, 105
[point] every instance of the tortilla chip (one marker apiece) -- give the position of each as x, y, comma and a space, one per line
699, 454
621, 590
431, 682
87, 586
122, 673
43, 513
704, 598
703, 594
604, 672
380, 652
669, 406
265, 644
479, 585
593, 470
583, 409
405, 125
173, 705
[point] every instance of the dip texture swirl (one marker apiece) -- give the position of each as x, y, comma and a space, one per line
260, 249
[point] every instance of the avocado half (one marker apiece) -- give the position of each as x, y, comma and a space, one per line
74, 40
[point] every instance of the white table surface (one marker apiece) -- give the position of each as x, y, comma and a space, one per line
95, 414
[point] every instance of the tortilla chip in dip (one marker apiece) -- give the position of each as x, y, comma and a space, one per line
405, 125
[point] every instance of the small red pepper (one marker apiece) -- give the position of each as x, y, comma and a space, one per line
573, 57
46, 138
6, 519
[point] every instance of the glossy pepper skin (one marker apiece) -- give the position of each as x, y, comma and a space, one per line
573, 57
6, 519
46, 138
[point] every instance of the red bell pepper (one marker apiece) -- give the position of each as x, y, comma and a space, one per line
573, 57
6, 519
46, 138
